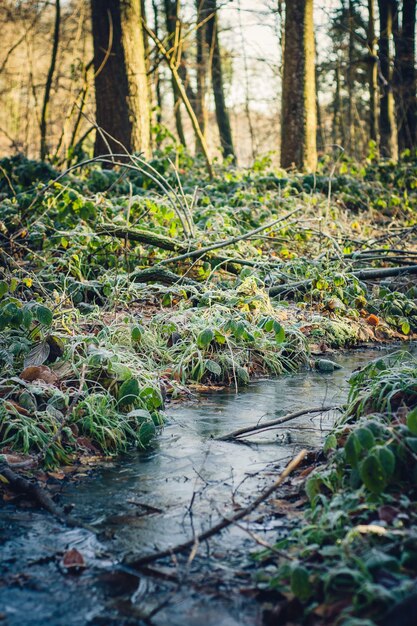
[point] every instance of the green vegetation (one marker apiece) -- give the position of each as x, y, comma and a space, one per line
353, 558
114, 294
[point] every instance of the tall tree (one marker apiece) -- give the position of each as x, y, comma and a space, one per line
121, 85
387, 130
372, 73
405, 75
49, 78
222, 115
201, 59
172, 25
299, 117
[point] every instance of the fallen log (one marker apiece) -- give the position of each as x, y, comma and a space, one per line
163, 276
364, 274
224, 523
250, 430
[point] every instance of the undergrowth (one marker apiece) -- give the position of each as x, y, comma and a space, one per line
90, 347
352, 561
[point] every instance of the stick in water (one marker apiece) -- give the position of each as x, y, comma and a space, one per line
227, 521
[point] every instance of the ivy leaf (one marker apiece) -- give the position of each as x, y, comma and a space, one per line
205, 338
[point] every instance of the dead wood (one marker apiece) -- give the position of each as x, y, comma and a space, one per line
22, 485
224, 523
364, 274
250, 430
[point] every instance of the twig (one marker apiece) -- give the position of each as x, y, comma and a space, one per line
364, 274
224, 523
276, 422
229, 242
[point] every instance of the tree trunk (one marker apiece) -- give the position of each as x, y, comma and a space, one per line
388, 139
48, 86
122, 99
299, 117
372, 74
350, 81
222, 114
171, 26
157, 81
405, 76
202, 55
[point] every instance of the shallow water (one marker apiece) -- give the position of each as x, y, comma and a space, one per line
190, 480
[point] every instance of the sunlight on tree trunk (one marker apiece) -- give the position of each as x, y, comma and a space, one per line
299, 116
122, 98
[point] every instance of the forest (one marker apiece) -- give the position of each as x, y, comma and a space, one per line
208, 313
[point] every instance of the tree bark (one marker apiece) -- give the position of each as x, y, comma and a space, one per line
121, 84
350, 80
171, 19
202, 55
387, 130
299, 116
372, 74
222, 114
405, 76
48, 86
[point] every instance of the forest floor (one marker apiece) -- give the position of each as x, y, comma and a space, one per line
123, 289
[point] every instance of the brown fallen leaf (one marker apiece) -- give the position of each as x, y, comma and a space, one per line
73, 561
10, 405
39, 372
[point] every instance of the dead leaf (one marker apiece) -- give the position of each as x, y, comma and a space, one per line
10, 405
73, 561
39, 372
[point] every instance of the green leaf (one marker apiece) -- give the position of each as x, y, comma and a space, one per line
242, 374
128, 392
405, 327
352, 449
122, 372
137, 333
365, 437
372, 474
330, 443
4, 288
412, 421
300, 582
205, 338
213, 367
387, 460
279, 332
152, 397
43, 315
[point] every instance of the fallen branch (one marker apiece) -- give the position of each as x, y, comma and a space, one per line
161, 275
364, 274
225, 522
32, 488
228, 242
250, 430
